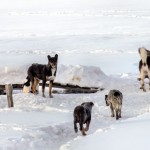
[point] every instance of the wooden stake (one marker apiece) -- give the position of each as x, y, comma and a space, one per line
9, 91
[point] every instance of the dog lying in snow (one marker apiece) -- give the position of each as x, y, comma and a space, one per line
114, 100
82, 115
144, 66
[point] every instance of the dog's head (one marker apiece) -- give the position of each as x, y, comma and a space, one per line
52, 61
88, 105
106, 100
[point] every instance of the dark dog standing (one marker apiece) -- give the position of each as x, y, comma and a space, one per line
37, 72
82, 115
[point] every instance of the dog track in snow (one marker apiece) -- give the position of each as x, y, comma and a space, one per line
106, 123
61, 135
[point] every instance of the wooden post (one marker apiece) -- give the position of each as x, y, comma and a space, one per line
9, 90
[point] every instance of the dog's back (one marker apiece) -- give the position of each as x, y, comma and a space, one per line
79, 114
117, 100
36, 70
114, 99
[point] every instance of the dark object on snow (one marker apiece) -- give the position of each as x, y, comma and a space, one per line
37, 72
82, 115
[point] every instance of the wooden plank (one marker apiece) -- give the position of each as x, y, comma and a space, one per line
9, 91
69, 88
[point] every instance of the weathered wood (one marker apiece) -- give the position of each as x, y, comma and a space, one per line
9, 91
68, 88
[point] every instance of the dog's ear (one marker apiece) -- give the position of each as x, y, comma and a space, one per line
56, 56
92, 104
82, 104
49, 57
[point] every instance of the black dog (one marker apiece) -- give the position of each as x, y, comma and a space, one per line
37, 72
82, 115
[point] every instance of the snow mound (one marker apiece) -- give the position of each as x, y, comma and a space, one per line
81, 75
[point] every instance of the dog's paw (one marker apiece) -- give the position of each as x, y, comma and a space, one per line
76, 130
139, 79
43, 95
50, 96
117, 117
86, 129
83, 133
37, 92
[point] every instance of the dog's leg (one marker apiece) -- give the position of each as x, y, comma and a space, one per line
37, 87
75, 125
112, 110
149, 77
34, 86
119, 112
87, 125
82, 128
142, 76
117, 115
142, 82
83, 131
43, 88
50, 89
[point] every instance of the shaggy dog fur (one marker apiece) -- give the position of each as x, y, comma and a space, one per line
114, 100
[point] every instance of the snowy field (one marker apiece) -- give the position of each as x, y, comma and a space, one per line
97, 42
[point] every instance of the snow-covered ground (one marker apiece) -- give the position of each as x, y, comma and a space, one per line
85, 32
97, 43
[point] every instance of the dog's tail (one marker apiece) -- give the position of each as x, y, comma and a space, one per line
26, 86
143, 54
28, 81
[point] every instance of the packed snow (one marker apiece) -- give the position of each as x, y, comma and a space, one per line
97, 44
